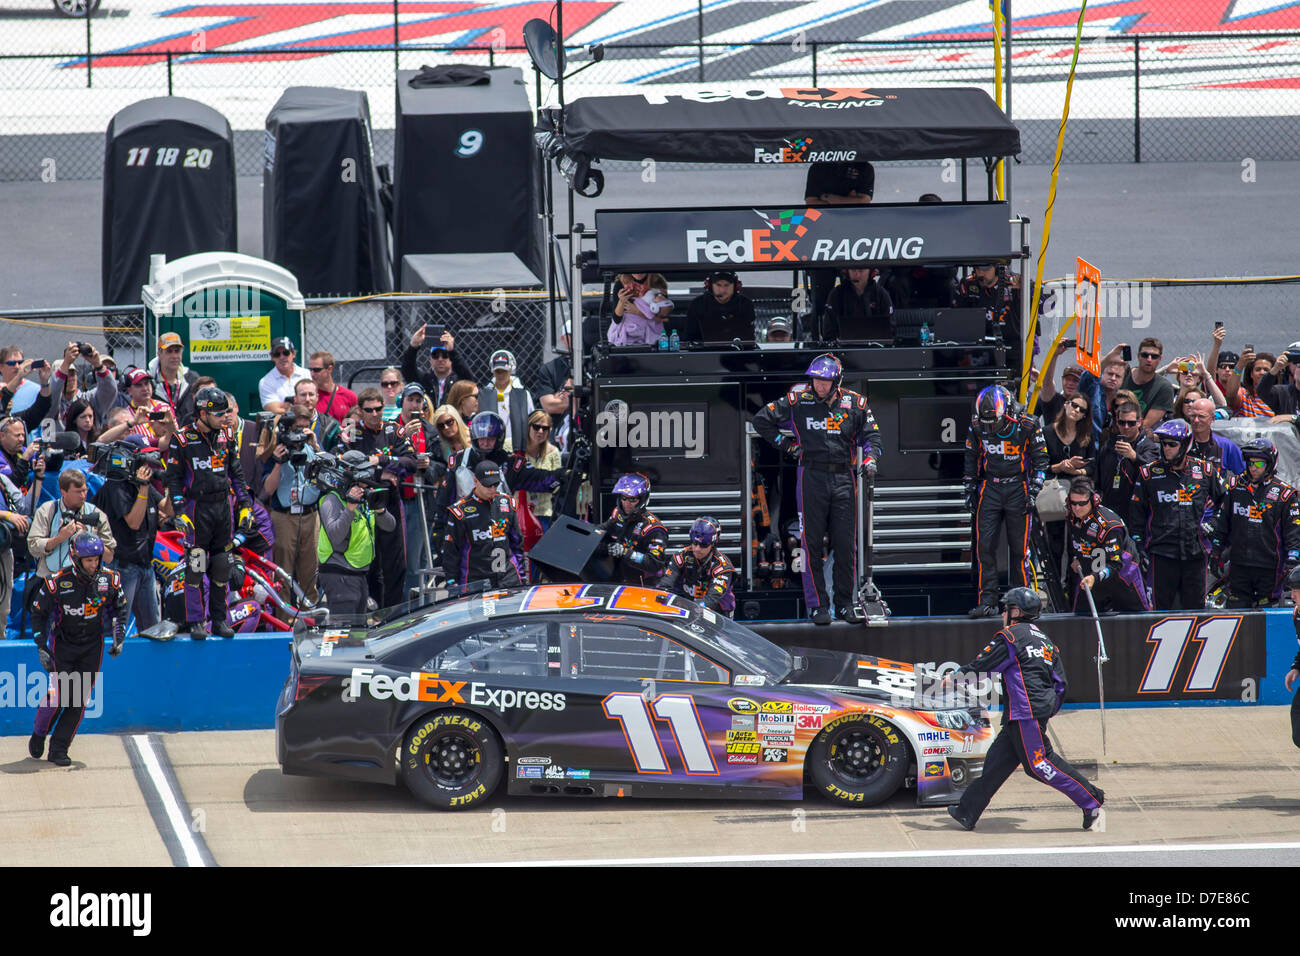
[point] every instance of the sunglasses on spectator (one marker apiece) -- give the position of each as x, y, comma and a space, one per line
1149, 355
280, 353
373, 409
318, 368
1126, 423
1073, 503
390, 384
1077, 406
447, 423
13, 361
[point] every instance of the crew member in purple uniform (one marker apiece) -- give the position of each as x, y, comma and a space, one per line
1102, 555
1033, 679
831, 426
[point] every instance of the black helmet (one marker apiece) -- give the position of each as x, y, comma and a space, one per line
1292, 580
1260, 448
211, 399
994, 409
1026, 599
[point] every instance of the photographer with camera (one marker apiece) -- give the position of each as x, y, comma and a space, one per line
382, 443
293, 498
134, 509
328, 431
64, 383
421, 467
59, 520
202, 477
348, 525
482, 541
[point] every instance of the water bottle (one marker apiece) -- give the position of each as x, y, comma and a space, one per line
926, 335
674, 342
663, 340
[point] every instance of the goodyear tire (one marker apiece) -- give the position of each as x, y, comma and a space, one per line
858, 759
451, 759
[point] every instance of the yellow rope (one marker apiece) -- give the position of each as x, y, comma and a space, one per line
1051, 201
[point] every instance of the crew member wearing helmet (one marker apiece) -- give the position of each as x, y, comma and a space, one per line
1006, 464
633, 536
506, 396
71, 613
203, 475
1103, 558
721, 313
1174, 498
831, 427
483, 541
701, 572
487, 432
1292, 583
1259, 523
1033, 679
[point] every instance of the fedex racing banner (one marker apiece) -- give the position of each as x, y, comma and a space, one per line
899, 234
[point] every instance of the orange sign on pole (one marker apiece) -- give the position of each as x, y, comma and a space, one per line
1087, 292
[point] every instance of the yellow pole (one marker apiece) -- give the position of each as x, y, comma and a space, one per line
997, 74
1047, 216
1042, 372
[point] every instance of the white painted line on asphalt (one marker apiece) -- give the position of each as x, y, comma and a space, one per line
889, 855
171, 805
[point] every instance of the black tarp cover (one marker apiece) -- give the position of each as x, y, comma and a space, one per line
788, 125
321, 217
178, 198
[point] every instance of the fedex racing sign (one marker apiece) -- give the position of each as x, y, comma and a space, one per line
902, 234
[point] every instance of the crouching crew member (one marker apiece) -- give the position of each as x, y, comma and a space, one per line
1006, 464
203, 477
346, 546
831, 425
482, 540
1103, 557
634, 537
1260, 523
1033, 677
701, 572
71, 613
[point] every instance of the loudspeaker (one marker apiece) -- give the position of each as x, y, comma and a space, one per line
567, 548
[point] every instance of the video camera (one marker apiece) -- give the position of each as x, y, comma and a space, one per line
293, 438
340, 473
120, 460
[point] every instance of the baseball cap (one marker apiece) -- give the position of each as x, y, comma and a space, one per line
284, 342
780, 323
169, 340
501, 359
415, 388
138, 375
1072, 370
487, 472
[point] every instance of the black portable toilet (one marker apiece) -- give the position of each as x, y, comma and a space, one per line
321, 216
466, 177
169, 188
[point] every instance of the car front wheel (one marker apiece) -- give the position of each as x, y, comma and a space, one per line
451, 759
858, 759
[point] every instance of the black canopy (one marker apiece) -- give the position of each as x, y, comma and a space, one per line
791, 125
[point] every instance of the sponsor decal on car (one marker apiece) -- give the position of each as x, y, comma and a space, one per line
525, 773
936, 751
498, 699
742, 705
413, 686
774, 755
749, 680
802, 708
808, 721
579, 774
554, 772
933, 735
742, 723
741, 736
533, 761
778, 707
743, 747
782, 723
933, 769
743, 758
778, 740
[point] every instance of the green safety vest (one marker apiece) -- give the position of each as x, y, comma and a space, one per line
361, 545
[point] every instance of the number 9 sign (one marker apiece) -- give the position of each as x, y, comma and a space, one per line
470, 142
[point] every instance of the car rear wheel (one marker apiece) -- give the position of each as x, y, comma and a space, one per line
859, 759
451, 759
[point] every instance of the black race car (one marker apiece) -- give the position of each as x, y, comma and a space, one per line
604, 690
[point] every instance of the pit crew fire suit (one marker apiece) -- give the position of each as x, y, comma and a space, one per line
1003, 476
482, 542
1261, 525
1033, 679
827, 435
202, 476
1168, 510
1101, 545
71, 613
708, 581
639, 543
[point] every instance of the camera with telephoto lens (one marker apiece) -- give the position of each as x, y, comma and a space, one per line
340, 473
120, 460
292, 438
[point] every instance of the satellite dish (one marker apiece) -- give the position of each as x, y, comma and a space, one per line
544, 48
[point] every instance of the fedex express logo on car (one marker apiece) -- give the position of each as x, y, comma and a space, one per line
429, 687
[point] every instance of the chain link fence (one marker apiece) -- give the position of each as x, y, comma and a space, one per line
1203, 97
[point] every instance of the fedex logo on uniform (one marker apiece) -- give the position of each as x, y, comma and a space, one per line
1173, 497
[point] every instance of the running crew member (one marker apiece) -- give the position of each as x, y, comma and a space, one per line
701, 572
1292, 584
1173, 499
203, 477
483, 542
71, 613
831, 425
1102, 555
633, 536
1260, 522
1006, 464
1033, 677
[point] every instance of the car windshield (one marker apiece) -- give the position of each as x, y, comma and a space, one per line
398, 630
756, 653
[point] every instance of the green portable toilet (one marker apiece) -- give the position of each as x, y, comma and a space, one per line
227, 308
